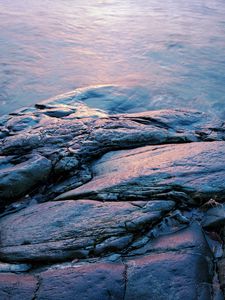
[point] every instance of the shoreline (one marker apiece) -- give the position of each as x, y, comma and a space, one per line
121, 206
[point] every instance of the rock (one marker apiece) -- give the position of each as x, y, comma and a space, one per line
196, 169
19, 123
17, 287
71, 136
63, 106
4, 267
65, 164
168, 276
143, 239
94, 281
221, 272
189, 239
214, 217
16, 181
72, 229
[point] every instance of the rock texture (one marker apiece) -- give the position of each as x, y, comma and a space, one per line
193, 171
101, 206
75, 229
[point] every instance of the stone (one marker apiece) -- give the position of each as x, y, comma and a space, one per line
189, 239
16, 181
5, 267
196, 169
153, 174
168, 276
214, 217
71, 135
63, 230
221, 272
93, 281
19, 123
17, 287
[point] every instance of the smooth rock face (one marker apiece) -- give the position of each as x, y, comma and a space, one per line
94, 281
196, 169
17, 287
189, 239
17, 268
214, 217
71, 229
17, 180
168, 276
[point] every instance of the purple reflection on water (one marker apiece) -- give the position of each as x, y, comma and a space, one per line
172, 49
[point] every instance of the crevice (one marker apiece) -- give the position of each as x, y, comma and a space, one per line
217, 292
35, 294
125, 276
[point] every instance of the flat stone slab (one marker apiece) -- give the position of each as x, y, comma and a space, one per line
15, 287
168, 276
178, 171
94, 281
63, 230
214, 217
17, 180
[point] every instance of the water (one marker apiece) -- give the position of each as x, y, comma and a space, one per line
172, 52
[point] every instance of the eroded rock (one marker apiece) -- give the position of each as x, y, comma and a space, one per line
133, 245
94, 281
196, 169
168, 276
17, 180
15, 287
69, 229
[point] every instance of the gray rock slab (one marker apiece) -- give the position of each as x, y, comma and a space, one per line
197, 169
214, 217
168, 276
189, 239
17, 180
70, 229
72, 135
94, 281
17, 287
16, 268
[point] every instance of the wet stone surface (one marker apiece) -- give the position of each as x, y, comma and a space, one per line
104, 206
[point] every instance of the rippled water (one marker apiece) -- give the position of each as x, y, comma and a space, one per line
172, 50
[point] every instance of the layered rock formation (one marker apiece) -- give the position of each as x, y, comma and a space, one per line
102, 206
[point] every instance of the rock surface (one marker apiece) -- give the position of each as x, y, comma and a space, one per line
197, 170
102, 206
75, 229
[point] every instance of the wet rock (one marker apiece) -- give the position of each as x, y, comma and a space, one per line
168, 276
197, 169
19, 123
15, 287
94, 281
139, 241
221, 272
71, 136
63, 106
5, 267
17, 180
214, 217
72, 229
189, 239
65, 164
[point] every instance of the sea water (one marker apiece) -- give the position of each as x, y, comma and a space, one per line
164, 54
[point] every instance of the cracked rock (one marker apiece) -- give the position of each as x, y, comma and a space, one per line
72, 229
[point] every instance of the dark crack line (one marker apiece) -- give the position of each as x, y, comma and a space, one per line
125, 276
37, 288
